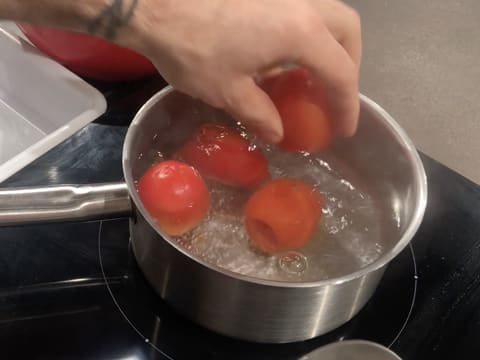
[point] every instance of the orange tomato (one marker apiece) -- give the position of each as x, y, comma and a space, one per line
302, 108
282, 215
175, 195
221, 153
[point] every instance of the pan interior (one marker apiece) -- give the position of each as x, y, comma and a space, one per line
368, 182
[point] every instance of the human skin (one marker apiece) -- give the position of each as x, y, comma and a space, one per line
215, 50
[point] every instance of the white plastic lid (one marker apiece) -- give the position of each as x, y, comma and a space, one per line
41, 102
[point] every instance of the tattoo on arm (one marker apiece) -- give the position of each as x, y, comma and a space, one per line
113, 17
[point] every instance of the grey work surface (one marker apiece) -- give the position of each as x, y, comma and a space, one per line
421, 62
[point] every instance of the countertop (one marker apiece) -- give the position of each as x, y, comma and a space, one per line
421, 62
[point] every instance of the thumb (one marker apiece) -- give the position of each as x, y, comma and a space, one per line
250, 105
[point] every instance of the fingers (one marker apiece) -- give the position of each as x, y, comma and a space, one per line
330, 63
351, 37
345, 25
352, 40
249, 104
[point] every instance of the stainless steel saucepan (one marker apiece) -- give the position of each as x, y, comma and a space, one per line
257, 310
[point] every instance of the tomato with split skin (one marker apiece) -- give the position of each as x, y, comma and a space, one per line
282, 215
221, 153
175, 196
302, 107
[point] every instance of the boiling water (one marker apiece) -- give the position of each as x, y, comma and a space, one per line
347, 238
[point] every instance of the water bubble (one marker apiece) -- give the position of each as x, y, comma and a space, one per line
293, 262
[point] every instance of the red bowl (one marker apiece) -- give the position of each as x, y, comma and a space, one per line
88, 55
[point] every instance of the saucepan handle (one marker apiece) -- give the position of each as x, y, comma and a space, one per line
22, 206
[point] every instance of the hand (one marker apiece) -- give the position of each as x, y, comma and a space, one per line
214, 49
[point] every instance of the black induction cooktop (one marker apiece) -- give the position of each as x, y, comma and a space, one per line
73, 290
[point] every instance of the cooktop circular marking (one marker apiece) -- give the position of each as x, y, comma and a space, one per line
414, 295
156, 348
115, 300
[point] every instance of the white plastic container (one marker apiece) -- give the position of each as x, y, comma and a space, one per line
41, 102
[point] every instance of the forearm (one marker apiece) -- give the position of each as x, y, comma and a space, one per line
69, 14
115, 20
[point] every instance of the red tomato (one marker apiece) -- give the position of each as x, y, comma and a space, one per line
303, 111
175, 195
221, 153
282, 215
88, 55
